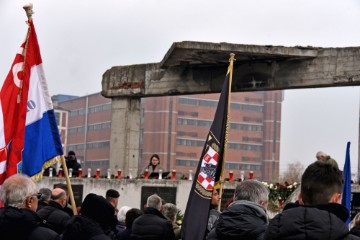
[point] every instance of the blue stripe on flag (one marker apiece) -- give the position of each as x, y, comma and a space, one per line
42, 143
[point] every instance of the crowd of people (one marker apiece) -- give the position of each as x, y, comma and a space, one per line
44, 214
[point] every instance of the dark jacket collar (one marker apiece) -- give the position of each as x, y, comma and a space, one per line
337, 209
154, 211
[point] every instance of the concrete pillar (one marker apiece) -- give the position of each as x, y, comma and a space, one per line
125, 135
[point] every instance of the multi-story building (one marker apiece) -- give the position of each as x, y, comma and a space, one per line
61, 116
88, 133
176, 127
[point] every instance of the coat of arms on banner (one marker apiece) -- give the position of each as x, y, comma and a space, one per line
207, 172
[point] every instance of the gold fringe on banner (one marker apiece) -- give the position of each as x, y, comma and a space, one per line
38, 176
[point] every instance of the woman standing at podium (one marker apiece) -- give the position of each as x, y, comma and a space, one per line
153, 166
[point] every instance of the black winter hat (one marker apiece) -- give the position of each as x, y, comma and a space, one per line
97, 208
71, 153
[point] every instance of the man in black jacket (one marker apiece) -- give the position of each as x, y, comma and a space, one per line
54, 215
18, 219
318, 214
246, 217
152, 225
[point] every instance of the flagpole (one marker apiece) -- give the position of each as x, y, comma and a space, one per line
230, 71
68, 183
29, 12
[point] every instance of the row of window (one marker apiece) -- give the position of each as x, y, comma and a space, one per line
192, 114
194, 122
252, 119
256, 100
97, 163
246, 127
94, 109
189, 134
228, 166
207, 123
93, 127
213, 104
200, 143
92, 145
242, 166
250, 159
252, 139
186, 154
194, 155
246, 147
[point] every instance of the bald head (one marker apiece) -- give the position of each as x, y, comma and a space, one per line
59, 195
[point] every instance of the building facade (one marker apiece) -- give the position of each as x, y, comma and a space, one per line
175, 128
88, 130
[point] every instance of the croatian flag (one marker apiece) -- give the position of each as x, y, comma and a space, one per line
29, 136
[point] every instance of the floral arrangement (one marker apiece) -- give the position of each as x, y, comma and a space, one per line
279, 193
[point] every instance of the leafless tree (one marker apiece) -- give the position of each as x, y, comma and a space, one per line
293, 173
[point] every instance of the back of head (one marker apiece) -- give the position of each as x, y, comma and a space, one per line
319, 182
16, 189
131, 215
112, 193
170, 211
45, 194
251, 190
62, 186
154, 201
97, 208
59, 195
320, 154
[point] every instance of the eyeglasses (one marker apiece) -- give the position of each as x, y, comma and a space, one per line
38, 195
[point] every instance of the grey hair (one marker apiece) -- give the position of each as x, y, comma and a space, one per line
321, 154
154, 201
251, 190
45, 194
170, 211
16, 189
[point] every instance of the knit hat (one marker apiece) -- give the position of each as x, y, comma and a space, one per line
97, 208
71, 153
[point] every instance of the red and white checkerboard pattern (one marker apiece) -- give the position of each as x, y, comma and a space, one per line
206, 181
211, 157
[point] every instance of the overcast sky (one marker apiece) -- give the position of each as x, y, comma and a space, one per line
81, 39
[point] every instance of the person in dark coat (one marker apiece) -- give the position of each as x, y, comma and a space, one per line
18, 219
54, 215
152, 225
246, 217
68, 209
45, 198
131, 215
71, 162
214, 213
95, 222
318, 215
170, 211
